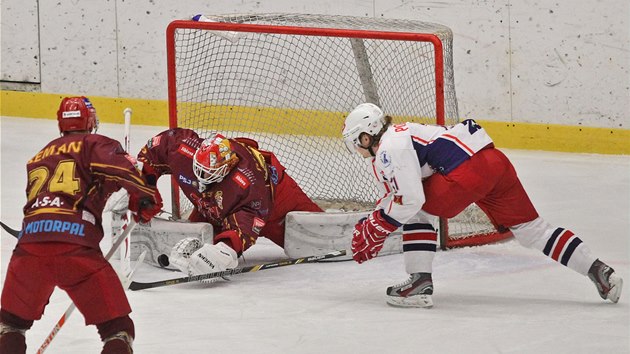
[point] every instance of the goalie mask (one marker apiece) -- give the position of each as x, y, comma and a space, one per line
77, 114
366, 119
214, 159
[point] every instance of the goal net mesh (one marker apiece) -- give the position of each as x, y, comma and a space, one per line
289, 80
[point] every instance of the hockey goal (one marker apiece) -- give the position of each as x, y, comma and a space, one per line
289, 80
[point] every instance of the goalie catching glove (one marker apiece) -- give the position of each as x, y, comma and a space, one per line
193, 257
369, 235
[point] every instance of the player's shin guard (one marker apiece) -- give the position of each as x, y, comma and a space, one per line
12, 340
419, 242
12, 330
119, 343
559, 244
117, 335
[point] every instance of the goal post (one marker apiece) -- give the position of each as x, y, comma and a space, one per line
289, 80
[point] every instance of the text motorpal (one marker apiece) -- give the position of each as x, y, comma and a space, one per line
48, 225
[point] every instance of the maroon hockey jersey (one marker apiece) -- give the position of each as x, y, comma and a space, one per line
241, 202
69, 181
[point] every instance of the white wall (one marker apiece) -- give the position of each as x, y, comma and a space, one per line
538, 61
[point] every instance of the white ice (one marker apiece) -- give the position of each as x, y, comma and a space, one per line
490, 299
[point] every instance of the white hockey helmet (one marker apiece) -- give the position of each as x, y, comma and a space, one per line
366, 118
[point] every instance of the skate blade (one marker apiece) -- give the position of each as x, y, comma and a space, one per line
418, 301
617, 286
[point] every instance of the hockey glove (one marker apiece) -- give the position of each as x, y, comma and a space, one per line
212, 258
181, 252
149, 174
145, 208
370, 234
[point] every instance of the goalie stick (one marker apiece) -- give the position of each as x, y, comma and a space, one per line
64, 317
140, 286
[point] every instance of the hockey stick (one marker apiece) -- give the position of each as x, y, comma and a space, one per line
127, 113
139, 286
125, 250
64, 317
13, 232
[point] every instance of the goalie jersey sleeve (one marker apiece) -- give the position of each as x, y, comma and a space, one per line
411, 152
170, 152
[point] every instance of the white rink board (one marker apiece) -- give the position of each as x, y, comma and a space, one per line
545, 62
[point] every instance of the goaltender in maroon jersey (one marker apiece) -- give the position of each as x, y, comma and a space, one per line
251, 200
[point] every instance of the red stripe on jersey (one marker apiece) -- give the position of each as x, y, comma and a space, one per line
420, 236
459, 142
562, 241
421, 141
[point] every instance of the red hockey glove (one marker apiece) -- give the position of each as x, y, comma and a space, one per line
149, 174
145, 208
370, 234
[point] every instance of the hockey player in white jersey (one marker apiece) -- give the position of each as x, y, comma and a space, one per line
427, 171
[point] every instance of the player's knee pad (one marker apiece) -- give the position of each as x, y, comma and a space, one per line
13, 323
5, 329
112, 328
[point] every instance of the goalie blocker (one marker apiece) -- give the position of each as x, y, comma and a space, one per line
306, 234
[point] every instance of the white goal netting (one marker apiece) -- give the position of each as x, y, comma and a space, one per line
289, 80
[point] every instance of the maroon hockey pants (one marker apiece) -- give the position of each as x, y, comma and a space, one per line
88, 278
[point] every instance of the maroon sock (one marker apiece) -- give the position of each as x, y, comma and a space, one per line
116, 346
13, 342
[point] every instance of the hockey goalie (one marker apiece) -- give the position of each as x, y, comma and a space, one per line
238, 191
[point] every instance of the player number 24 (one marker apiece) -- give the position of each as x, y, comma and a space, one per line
63, 179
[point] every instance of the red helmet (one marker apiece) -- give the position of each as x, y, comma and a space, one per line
214, 159
77, 113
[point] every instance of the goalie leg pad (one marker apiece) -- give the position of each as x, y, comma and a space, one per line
309, 233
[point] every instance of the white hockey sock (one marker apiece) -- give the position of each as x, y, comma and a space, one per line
419, 246
559, 244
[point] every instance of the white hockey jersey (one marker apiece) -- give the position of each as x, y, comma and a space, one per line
411, 152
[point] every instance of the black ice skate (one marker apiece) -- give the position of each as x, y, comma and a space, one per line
415, 292
608, 283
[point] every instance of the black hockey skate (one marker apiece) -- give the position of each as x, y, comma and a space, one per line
608, 283
415, 292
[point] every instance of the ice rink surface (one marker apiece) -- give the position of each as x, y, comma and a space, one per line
491, 299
